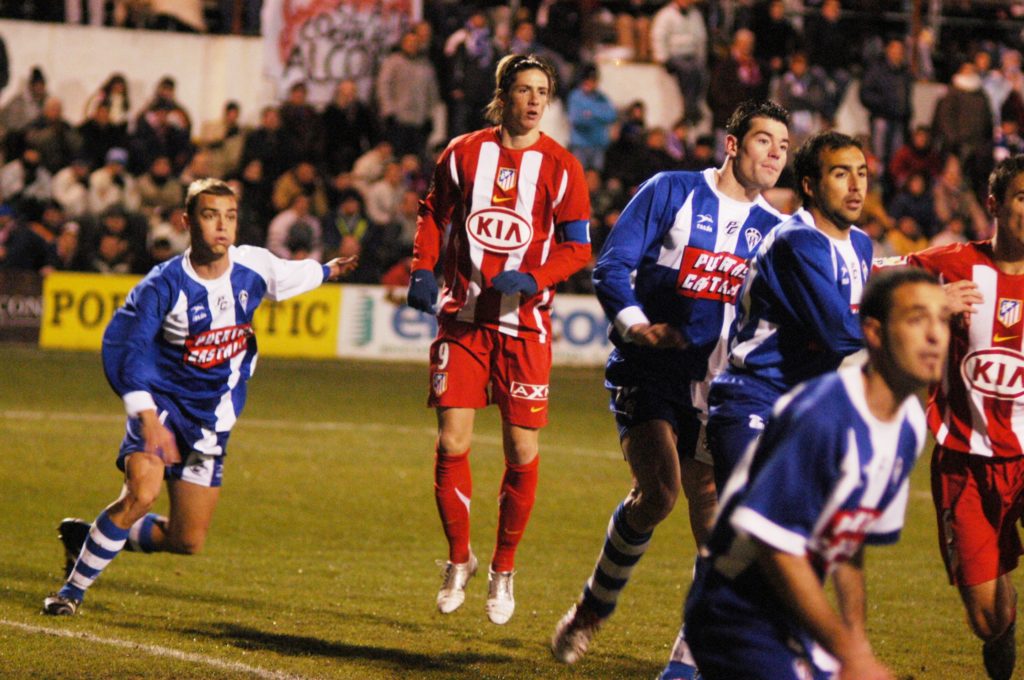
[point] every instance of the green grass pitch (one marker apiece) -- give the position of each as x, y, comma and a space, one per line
321, 559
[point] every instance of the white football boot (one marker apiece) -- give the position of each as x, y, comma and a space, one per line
453, 588
501, 601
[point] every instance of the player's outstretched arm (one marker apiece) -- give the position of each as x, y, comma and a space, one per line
799, 589
340, 266
159, 440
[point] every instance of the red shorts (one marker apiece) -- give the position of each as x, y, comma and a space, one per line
978, 502
472, 366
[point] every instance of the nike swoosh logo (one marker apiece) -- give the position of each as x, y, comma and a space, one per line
502, 199
536, 409
1003, 338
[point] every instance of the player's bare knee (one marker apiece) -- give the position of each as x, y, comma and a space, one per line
657, 501
187, 545
453, 443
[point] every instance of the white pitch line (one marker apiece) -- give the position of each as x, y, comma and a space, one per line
310, 426
156, 650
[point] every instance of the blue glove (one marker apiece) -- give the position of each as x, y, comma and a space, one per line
510, 283
423, 291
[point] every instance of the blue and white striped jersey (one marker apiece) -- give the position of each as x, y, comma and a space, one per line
190, 340
797, 311
819, 482
678, 255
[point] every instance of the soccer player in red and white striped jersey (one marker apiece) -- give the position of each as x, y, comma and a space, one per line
977, 416
517, 211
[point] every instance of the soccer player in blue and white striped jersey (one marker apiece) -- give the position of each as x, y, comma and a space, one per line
179, 354
829, 475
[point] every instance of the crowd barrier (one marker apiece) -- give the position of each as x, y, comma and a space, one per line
71, 311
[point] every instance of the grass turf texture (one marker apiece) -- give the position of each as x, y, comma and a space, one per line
321, 558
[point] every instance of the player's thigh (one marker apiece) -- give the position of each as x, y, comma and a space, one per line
194, 489
454, 430
143, 476
520, 372
460, 359
521, 444
650, 449
977, 504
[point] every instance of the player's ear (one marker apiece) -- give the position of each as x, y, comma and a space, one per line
872, 330
732, 146
807, 184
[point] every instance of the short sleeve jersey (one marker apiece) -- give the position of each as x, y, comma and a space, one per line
978, 407
678, 255
505, 209
191, 340
797, 310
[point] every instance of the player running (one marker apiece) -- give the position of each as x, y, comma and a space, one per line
819, 485
976, 415
179, 353
518, 210
687, 236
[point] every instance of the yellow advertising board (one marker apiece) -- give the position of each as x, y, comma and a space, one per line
77, 308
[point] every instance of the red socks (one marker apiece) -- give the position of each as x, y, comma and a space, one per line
518, 490
453, 488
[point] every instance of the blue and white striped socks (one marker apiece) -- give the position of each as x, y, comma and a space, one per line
623, 548
105, 541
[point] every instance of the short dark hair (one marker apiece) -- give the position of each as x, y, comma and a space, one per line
214, 187
739, 122
505, 75
876, 302
1000, 178
807, 163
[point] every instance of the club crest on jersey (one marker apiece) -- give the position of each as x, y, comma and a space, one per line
995, 372
506, 178
752, 237
439, 383
520, 390
705, 222
499, 230
1009, 311
243, 299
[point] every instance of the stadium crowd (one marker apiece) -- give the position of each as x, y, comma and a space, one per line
100, 190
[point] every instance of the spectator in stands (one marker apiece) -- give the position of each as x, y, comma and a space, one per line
349, 128
804, 92
471, 55
113, 254
295, 229
907, 237
25, 106
405, 225
170, 227
369, 167
27, 246
53, 136
157, 134
255, 205
560, 28
26, 178
955, 231
962, 125
413, 174
114, 95
880, 246
302, 179
112, 186
678, 142
828, 48
62, 253
116, 244
590, 115
164, 99
918, 155
385, 195
735, 78
71, 187
679, 41
99, 135
223, 140
524, 41
1008, 141
346, 225
885, 93
954, 196
266, 144
915, 199
406, 94
777, 39
159, 189
1007, 86
300, 125
649, 160
703, 155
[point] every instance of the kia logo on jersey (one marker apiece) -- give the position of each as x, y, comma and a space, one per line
995, 372
499, 230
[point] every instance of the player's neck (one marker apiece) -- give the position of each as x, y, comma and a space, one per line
513, 138
1008, 253
728, 185
828, 226
209, 265
885, 391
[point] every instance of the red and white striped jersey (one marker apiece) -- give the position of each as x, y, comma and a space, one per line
525, 210
979, 405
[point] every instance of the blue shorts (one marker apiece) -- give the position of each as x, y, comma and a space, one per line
634, 405
739, 407
197, 466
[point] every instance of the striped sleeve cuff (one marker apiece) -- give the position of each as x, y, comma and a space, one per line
138, 401
754, 524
